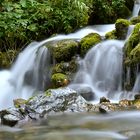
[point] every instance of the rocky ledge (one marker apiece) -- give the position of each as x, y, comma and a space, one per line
61, 100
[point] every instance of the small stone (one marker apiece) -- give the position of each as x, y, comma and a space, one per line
137, 96
103, 99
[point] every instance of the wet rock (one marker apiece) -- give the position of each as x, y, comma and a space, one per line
56, 100
11, 116
103, 99
86, 92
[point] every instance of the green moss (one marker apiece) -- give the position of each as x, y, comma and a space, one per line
59, 80
64, 50
135, 20
48, 93
111, 35
133, 40
65, 67
88, 42
19, 102
135, 55
121, 26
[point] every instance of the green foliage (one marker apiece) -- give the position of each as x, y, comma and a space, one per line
107, 11
22, 21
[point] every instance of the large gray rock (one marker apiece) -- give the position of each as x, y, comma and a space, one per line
54, 100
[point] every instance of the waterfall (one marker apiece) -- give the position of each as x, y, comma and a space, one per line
136, 87
101, 69
30, 72
136, 8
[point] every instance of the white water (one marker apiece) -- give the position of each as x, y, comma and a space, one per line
101, 69
136, 8
27, 74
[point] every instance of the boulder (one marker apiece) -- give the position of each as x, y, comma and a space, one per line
86, 92
59, 80
64, 50
54, 100
121, 26
111, 35
88, 42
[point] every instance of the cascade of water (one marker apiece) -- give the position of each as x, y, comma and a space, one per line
136, 87
136, 8
31, 69
101, 69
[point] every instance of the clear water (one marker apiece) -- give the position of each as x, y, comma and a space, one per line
114, 126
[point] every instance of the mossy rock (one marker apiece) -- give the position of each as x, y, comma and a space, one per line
111, 35
135, 55
65, 67
59, 80
88, 42
121, 26
19, 102
135, 20
64, 50
133, 40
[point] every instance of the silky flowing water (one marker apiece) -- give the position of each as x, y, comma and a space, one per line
113, 126
94, 74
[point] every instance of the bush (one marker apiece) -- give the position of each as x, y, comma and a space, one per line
25, 20
107, 11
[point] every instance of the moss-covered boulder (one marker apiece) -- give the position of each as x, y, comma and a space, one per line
111, 35
135, 20
133, 40
135, 55
59, 80
64, 50
131, 58
88, 42
121, 26
67, 68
